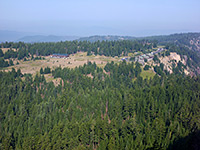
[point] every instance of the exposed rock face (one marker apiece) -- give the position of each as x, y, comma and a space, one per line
195, 44
172, 59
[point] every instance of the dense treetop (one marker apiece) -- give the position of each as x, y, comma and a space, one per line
113, 109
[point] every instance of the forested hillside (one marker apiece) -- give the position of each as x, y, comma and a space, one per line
111, 109
190, 40
183, 38
107, 48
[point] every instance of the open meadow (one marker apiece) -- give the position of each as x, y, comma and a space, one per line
74, 60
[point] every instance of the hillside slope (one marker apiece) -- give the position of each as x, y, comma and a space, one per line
190, 40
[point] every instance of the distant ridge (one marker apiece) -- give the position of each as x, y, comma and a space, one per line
11, 36
106, 38
49, 38
15, 36
176, 37
160, 38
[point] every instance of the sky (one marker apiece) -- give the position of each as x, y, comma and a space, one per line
100, 17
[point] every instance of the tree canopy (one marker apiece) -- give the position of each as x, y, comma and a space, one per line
111, 109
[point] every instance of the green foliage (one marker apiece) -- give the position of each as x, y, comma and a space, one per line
1, 53
167, 53
10, 54
132, 59
159, 70
11, 62
37, 58
154, 45
22, 53
46, 70
146, 67
137, 69
41, 71
107, 48
162, 66
156, 59
89, 53
3, 63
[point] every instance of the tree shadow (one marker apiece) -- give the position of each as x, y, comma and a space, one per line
190, 142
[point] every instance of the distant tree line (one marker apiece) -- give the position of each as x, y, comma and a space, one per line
107, 48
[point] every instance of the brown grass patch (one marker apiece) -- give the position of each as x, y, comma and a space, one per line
73, 61
6, 49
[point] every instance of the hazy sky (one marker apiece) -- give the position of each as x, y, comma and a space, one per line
100, 17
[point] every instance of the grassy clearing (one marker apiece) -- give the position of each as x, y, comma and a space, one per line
48, 77
80, 54
159, 46
73, 61
6, 49
101, 65
79, 59
91, 56
130, 54
147, 74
